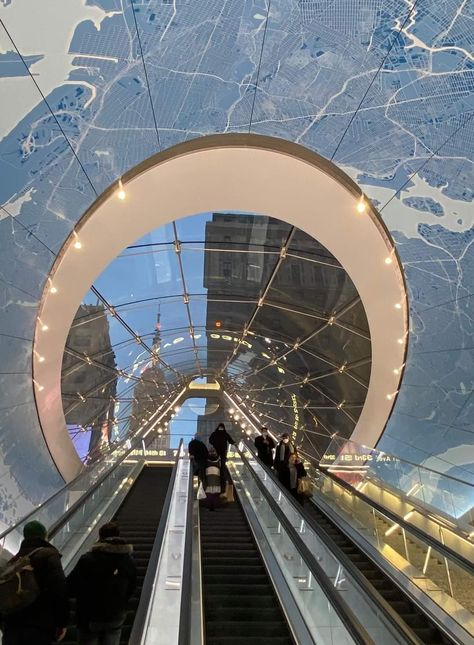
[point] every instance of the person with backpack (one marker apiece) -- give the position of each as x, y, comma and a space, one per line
102, 582
37, 612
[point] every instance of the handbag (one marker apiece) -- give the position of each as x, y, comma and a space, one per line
229, 492
201, 493
305, 487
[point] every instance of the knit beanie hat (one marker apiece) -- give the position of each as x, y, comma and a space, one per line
34, 529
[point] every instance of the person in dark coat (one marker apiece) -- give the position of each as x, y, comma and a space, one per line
44, 621
265, 446
103, 581
220, 440
198, 452
282, 456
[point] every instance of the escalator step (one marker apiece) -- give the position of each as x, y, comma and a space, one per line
240, 605
248, 640
261, 628
244, 614
261, 601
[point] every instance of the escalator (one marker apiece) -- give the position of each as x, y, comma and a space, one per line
138, 518
240, 605
419, 623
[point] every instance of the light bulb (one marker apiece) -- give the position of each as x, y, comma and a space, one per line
53, 290
361, 205
396, 371
77, 244
388, 260
121, 194
398, 306
41, 359
389, 397
400, 341
44, 327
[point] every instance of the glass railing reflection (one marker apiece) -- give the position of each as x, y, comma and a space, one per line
357, 465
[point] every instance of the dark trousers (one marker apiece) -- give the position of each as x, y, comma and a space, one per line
100, 634
225, 476
199, 470
28, 636
212, 500
284, 476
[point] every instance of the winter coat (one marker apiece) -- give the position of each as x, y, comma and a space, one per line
220, 440
265, 446
282, 463
103, 581
297, 471
50, 611
213, 476
198, 450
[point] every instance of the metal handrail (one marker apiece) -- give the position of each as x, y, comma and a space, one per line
148, 582
54, 496
136, 437
185, 608
404, 461
445, 550
346, 615
57, 526
402, 628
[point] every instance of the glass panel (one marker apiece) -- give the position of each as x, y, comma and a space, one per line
317, 611
442, 579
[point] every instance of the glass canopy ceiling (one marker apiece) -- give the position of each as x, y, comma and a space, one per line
384, 88
241, 298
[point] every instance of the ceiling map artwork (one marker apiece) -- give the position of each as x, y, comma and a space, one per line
382, 88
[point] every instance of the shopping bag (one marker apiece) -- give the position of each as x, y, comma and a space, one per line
229, 492
201, 494
305, 487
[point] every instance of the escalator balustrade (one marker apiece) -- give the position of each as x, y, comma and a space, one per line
426, 631
138, 518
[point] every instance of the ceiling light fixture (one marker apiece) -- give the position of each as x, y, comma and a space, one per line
121, 194
388, 260
361, 205
398, 306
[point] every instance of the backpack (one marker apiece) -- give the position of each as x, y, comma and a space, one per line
18, 585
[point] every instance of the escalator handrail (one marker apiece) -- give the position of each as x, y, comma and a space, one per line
342, 609
58, 525
402, 628
184, 637
444, 550
84, 471
147, 588
55, 495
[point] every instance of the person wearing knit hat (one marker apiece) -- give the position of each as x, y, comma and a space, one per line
35, 529
44, 621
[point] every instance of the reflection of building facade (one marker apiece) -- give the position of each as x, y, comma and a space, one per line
88, 389
148, 392
232, 274
241, 254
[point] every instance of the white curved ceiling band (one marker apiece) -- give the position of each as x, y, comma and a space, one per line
228, 173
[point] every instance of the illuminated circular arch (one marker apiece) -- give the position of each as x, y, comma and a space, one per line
246, 173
